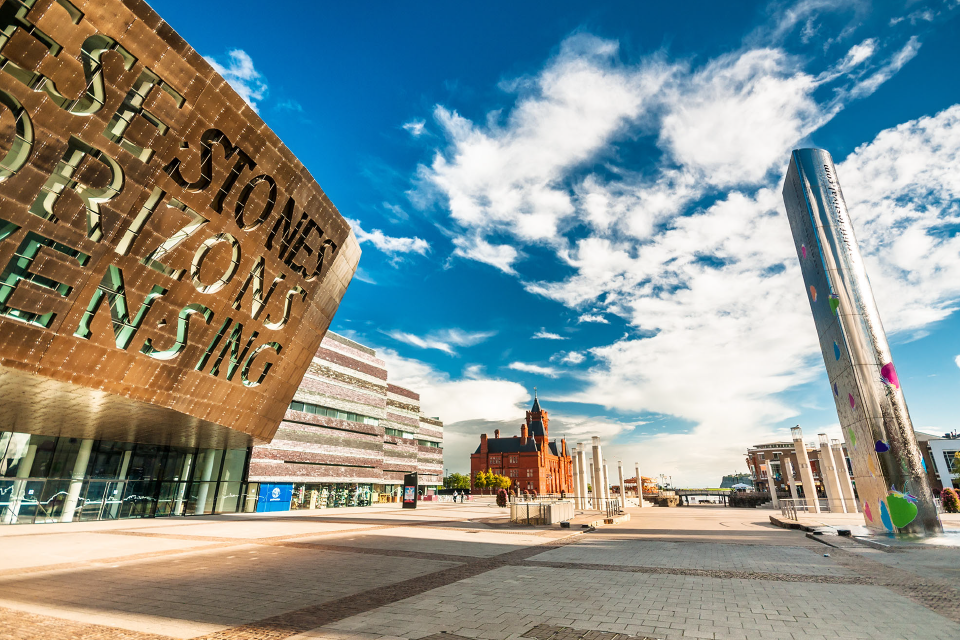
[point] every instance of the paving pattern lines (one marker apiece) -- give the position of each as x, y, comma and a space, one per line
22, 625
506, 602
216, 589
906, 578
292, 623
697, 556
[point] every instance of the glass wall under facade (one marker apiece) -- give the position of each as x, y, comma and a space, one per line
60, 479
343, 494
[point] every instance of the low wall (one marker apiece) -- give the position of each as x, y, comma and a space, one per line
541, 512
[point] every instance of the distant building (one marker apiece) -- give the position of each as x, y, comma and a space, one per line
776, 453
349, 436
940, 459
530, 460
737, 478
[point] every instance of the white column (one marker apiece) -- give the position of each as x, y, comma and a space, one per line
806, 474
76, 480
584, 478
623, 492
597, 492
785, 464
184, 479
119, 487
576, 479
772, 485
581, 462
208, 457
23, 472
828, 471
606, 484
843, 476
639, 484
593, 482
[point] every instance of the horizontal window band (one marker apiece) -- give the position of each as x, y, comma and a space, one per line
330, 464
326, 426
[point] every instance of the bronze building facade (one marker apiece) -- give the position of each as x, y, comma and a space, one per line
168, 268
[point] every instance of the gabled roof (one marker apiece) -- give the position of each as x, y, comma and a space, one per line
510, 445
553, 448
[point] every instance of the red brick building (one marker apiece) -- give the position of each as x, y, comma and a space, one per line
530, 460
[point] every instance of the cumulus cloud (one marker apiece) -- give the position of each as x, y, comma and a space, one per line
957, 361
903, 192
446, 340
549, 372
694, 252
458, 402
543, 334
415, 127
389, 244
239, 72
574, 357
593, 317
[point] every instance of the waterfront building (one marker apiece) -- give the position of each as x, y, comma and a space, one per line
941, 459
776, 453
531, 460
168, 269
349, 436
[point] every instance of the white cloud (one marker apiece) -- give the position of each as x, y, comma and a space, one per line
549, 372
543, 334
240, 73
445, 340
415, 127
593, 317
456, 400
476, 248
574, 357
957, 361
389, 244
873, 82
903, 192
713, 289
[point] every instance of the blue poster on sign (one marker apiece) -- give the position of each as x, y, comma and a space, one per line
274, 497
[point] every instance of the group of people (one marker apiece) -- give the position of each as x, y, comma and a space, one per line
461, 495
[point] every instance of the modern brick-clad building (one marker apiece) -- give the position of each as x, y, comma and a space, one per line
530, 460
349, 436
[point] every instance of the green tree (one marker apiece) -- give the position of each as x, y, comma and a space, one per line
456, 481
503, 482
480, 482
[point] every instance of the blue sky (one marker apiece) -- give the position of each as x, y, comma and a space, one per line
586, 199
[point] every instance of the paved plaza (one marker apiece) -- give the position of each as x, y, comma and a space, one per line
447, 572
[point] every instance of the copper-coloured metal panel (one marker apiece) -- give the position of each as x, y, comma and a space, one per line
168, 268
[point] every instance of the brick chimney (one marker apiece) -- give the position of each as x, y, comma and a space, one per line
483, 443
496, 433
523, 433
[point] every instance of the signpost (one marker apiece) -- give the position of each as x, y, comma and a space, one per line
410, 491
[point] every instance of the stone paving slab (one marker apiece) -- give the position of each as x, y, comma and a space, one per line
262, 529
37, 551
941, 563
476, 543
700, 555
201, 593
504, 603
248, 583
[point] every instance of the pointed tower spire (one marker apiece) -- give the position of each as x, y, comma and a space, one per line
536, 401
